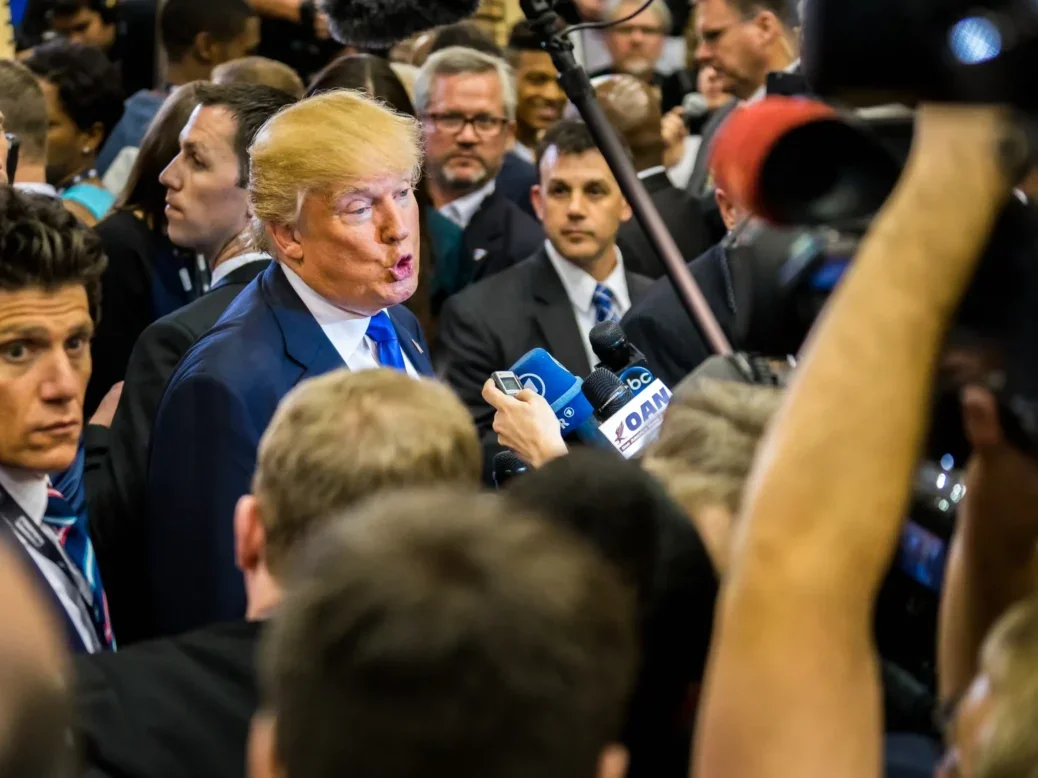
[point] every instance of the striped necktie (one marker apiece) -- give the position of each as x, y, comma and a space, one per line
605, 304
74, 535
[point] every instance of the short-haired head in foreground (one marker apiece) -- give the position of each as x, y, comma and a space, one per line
34, 707
627, 517
990, 733
261, 71
447, 634
331, 189
341, 437
706, 450
25, 109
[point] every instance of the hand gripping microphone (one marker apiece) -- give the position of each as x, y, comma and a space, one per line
629, 423
620, 356
540, 372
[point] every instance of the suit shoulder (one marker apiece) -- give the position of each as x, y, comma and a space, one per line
502, 288
246, 334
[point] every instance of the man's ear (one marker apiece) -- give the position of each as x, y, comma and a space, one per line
537, 199
205, 47
613, 762
250, 538
625, 212
287, 240
729, 214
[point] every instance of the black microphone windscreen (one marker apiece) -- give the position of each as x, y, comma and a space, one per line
609, 343
507, 465
606, 393
380, 23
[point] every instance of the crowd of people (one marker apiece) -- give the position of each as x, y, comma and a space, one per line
253, 290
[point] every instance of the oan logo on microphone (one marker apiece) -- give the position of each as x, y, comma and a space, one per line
637, 424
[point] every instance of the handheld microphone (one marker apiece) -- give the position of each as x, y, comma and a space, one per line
507, 465
606, 393
620, 356
629, 423
758, 160
380, 23
540, 372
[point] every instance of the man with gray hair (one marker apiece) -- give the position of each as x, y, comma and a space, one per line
25, 115
466, 102
636, 46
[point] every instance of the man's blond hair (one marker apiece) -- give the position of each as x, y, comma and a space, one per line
324, 146
1009, 659
709, 440
343, 436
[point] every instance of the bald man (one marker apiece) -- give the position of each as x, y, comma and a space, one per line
632, 108
34, 709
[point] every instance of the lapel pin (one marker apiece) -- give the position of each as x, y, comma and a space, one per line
417, 346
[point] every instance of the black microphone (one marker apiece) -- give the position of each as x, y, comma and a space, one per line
606, 393
380, 23
620, 356
507, 465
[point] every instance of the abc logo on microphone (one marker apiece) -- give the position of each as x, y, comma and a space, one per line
637, 378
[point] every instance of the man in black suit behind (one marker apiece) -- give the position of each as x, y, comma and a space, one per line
629, 105
467, 102
225, 123
552, 299
659, 325
180, 707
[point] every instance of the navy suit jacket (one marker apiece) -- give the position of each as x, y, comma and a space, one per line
207, 431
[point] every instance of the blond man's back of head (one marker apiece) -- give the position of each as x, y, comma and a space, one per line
343, 436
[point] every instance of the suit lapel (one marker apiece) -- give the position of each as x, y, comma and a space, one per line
637, 286
553, 311
485, 235
305, 341
410, 345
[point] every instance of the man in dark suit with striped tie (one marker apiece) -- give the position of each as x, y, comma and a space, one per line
551, 300
331, 191
49, 300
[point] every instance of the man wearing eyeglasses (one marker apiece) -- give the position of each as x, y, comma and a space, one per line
636, 45
743, 40
466, 100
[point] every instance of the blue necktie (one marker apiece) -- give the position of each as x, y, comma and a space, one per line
71, 531
605, 304
382, 331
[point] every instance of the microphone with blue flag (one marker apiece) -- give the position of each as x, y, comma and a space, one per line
540, 372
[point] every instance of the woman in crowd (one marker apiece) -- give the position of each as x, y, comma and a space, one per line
147, 276
84, 102
442, 245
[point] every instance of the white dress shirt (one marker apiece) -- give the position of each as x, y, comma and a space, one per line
29, 492
580, 288
347, 331
228, 266
462, 210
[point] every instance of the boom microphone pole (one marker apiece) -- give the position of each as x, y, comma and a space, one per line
577, 86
